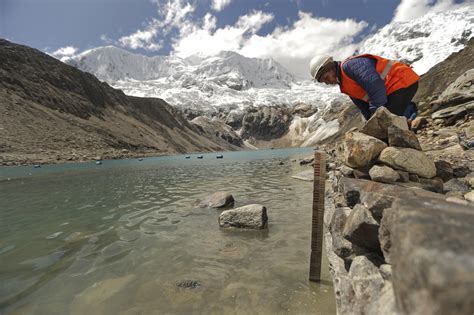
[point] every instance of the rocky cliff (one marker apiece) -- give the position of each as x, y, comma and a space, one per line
53, 112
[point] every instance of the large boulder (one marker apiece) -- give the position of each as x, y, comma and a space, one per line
361, 229
409, 160
402, 138
252, 216
458, 92
383, 174
217, 200
360, 150
433, 257
377, 126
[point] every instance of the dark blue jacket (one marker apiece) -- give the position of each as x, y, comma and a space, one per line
362, 70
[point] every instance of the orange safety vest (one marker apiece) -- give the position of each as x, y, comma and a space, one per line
396, 75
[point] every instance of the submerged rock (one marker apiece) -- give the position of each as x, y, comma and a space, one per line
217, 200
249, 217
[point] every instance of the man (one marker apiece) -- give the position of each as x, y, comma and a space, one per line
370, 81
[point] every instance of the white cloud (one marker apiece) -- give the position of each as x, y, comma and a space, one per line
218, 5
292, 46
171, 15
209, 41
64, 53
412, 9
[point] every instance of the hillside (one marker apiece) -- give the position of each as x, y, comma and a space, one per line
53, 112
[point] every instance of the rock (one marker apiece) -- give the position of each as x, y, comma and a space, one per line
470, 181
418, 123
217, 200
451, 114
360, 174
376, 203
341, 246
386, 225
458, 92
438, 121
414, 178
384, 302
188, 284
455, 185
404, 176
252, 216
361, 229
444, 170
360, 150
346, 170
383, 174
433, 257
377, 125
457, 200
461, 171
386, 271
409, 160
434, 184
366, 280
402, 138
469, 196
307, 161
305, 175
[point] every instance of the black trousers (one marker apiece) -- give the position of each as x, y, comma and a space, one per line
398, 101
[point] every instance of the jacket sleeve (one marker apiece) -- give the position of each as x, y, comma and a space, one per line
363, 107
362, 70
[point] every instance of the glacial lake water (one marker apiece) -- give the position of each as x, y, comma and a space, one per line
116, 238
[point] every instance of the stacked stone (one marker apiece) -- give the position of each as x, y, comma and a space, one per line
386, 211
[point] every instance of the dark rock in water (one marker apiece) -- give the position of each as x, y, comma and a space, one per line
461, 171
187, 157
219, 156
307, 161
188, 284
200, 157
402, 138
455, 184
217, 200
377, 126
362, 229
433, 257
248, 217
444, 170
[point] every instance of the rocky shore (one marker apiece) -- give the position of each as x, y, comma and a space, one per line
399, 216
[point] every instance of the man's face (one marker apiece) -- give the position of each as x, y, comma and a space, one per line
329, 77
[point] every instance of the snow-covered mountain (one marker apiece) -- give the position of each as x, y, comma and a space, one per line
425, 41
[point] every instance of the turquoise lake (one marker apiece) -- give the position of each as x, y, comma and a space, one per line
116, 238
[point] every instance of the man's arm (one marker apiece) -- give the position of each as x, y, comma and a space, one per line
363, 107
362, 70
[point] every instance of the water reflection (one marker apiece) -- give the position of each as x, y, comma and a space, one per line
119, 239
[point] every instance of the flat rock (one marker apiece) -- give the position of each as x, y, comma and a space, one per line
252, 216
217, 200
409, 160
402, 138
377, 126
469, 196
383, 174
433, 257
360, 150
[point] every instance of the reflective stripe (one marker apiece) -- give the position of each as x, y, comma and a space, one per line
383, 75
385, 71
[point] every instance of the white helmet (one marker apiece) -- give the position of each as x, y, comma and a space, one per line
317, 63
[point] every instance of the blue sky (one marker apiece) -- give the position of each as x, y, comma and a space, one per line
290, 31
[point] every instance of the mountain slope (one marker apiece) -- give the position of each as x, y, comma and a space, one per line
52, 111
